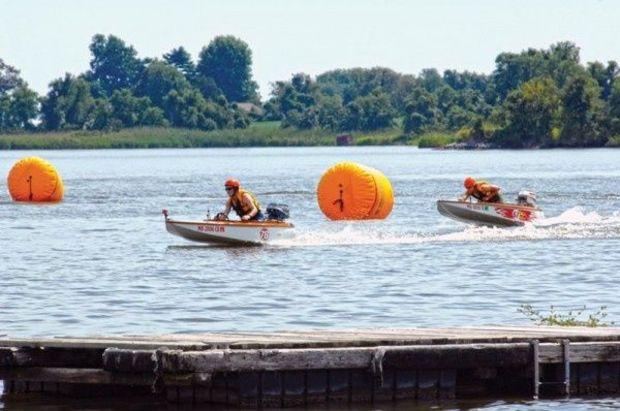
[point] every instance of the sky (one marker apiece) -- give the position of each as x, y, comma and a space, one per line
45, 39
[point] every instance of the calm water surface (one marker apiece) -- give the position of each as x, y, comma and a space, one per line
102, 262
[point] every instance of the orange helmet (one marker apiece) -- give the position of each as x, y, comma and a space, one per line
232, 182
469, 182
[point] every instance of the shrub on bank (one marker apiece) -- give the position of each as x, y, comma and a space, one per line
436, 140
614, 141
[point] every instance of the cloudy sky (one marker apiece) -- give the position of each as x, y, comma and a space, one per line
46, 39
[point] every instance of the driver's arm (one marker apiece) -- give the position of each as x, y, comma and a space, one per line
465, 196
228, 207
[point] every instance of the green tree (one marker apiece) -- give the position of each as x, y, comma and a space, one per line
477, 130
114, 65
68, 104
605, 76
445, 97
421, 112
23, 107
159, 79
373, 112
530, 114
331, 113
291, 99
180, 59
456, 117
614, 109
133, 111
5, 105
9, 78
189, 109
512, 70
466, 80
228, 61
210, 90
403, 90
101, 116
431, 80
18, 104
560, 62
350, 84
582, 114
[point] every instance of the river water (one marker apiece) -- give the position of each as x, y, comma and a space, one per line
101, 261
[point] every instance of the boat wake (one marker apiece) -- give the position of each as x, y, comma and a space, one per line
574, 223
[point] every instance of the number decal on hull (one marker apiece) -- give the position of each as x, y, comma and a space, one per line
211, 229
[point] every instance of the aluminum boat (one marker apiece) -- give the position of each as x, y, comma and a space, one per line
229, 232
489, 214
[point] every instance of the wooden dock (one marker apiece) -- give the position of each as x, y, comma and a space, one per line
300, 368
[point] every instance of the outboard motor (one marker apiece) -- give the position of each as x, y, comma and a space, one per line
278, 212
526, 198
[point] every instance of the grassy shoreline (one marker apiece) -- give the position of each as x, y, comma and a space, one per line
266, 134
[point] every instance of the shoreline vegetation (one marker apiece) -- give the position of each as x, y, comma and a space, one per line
536, 98
259, 134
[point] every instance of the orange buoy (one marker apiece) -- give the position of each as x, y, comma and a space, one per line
34, 179
351, 191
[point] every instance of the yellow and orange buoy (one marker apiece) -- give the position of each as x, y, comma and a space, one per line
351, 191
34, 179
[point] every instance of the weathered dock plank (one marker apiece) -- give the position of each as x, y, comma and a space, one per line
333, 338
298, 368
94, 376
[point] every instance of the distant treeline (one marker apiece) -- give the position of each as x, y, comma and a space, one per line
536, 98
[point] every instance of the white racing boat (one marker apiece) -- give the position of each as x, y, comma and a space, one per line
229, 232
493, 214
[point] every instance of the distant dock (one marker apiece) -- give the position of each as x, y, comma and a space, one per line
252, 370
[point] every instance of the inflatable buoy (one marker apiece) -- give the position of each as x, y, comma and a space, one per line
34, 179
351, 191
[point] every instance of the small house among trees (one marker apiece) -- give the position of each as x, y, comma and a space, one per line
344, 140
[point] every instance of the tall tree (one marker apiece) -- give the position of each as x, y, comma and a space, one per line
582, 114
9, 78
605, 76
114, 65
228, 61
291, 99
159, 79
530, 113
421, 112
68, 104
614, 109
23, 108
371, 112
512, 70
182, 61
18, 104
189, 109
132, 111
431, 80
350, 84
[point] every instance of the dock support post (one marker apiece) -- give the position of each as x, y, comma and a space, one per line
536, 365
566, 359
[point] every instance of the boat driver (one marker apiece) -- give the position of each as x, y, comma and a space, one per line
243, 202
481, 191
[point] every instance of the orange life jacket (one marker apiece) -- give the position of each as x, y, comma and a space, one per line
237, 204
479, 194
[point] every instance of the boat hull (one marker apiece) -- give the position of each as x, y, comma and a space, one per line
488, 214
229, 232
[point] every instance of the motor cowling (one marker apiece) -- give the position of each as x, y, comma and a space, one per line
278, 212
526, 198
